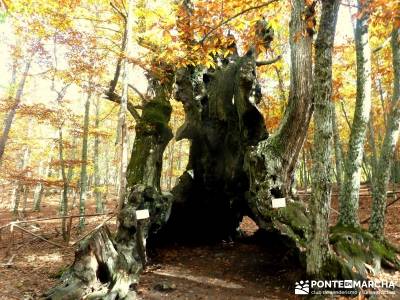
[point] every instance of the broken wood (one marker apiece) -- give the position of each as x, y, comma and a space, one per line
92, 231
9, 262
39, 237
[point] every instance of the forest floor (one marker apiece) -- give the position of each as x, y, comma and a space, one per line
244, 269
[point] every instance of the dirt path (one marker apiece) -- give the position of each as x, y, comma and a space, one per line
223, 271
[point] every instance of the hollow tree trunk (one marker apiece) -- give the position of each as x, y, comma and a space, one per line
349, 194
234, 169
221, 122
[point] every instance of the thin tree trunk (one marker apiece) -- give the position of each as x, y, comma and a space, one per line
26, 195
84, 176
97, 191
27, 154
64, 194
376, 226
349, 195
11, 114
107, 175
19, 188
44, 173
70, 173
381, 97
38, 193
318, 247
15, 198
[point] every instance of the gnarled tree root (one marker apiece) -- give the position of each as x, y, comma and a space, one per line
361, 254
108, 267
355, 253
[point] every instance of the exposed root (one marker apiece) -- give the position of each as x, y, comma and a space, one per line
361, 254
106, 267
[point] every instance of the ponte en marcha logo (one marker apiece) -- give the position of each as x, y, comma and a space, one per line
344, 287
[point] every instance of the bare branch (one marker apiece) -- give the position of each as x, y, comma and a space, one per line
107, 28
345, 114
118, 11
348, 5
114, 97
138, 92
384, 44
268, 62
3, 5
235, 16
113, 83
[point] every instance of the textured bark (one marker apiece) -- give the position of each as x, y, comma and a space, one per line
234, 169
270, 164
318, 247
152, 136
338, 149
382, 174
349, 194
372, 145
221, 122
108, 267
84, 177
